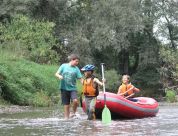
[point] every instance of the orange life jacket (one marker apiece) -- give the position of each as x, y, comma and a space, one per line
124, 88
90, 88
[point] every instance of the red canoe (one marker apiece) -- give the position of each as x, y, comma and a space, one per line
121, 107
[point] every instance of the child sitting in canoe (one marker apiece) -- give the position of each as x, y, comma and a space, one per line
127, 90
90, 90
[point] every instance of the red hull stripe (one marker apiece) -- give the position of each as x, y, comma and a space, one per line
132, 105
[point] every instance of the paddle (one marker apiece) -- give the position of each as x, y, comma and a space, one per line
130, 95
106, 114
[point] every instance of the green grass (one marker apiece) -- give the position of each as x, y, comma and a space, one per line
24, 82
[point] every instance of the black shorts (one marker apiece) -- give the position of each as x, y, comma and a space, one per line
67, 96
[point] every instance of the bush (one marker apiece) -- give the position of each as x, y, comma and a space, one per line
170, 95
112, 80
32, 38
42, 99
26, 83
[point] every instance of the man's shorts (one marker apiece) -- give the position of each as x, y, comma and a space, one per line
67, 96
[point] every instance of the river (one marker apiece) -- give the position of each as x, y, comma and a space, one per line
50, 122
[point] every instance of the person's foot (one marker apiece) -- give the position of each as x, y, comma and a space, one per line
91, 116
75, 115
72, 115
66, 118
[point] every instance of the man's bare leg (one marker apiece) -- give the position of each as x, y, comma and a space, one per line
66, 111
75, 105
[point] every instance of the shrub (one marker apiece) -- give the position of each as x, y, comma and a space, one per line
112, 80
26, 83
42, 99
32, 38
170, 95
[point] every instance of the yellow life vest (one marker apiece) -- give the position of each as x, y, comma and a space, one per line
124, 88
90, 88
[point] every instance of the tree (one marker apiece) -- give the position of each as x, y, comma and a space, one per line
112, 23
167, 22
147, 74
167, 33
33, 38
9, 8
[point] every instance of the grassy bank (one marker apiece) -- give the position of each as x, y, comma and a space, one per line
26, 83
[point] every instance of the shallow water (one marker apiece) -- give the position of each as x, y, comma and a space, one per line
50, 122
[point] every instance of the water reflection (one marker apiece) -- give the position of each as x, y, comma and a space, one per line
49, 122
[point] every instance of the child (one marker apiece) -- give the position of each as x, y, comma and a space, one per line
90, 90
127, 90
68, 73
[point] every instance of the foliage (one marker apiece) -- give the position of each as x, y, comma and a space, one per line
166, 22
148, 80
3, 102
135, 37
112, 22
107, 55
79, 87
168, 67
170, 95
9, 8
113, 80
26, 83
42, 99
32, 36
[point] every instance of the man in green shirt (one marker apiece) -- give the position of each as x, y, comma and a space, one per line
68, 73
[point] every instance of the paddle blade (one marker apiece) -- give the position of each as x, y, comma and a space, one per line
106, 115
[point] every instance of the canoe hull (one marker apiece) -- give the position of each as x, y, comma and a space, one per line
123, 108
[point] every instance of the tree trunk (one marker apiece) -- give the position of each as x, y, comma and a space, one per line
124, 62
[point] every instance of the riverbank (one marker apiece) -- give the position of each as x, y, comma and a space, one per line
6, 109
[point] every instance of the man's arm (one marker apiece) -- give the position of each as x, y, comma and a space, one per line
136, 90
96, 80
81, 80
60, 77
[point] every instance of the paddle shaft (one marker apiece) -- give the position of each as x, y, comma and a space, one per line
106, 114
128, 91
102, 71
129, 95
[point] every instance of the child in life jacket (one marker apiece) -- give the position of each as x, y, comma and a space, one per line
127, 90
90, 90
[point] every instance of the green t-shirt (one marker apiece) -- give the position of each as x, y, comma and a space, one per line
70, 75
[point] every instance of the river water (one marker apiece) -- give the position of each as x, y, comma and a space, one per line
50, 122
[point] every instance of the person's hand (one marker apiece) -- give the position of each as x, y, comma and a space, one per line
104, 80
60, 77
121, 94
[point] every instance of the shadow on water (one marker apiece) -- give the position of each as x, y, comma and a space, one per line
50, 122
